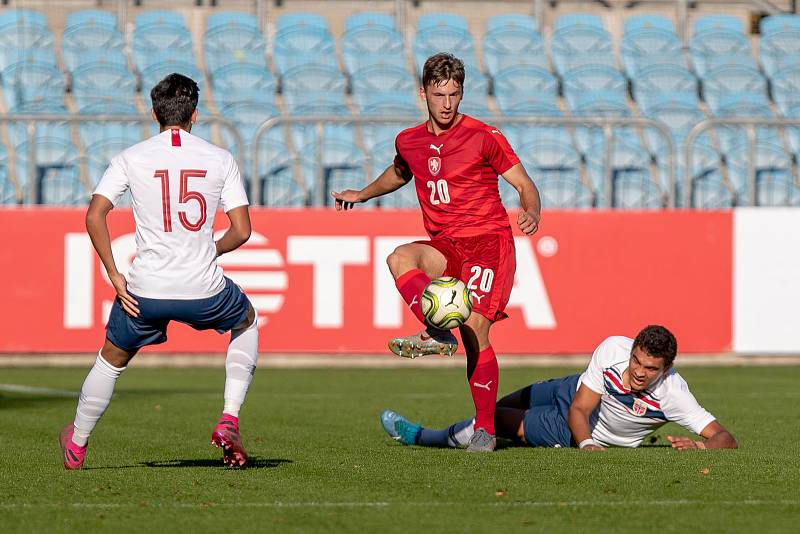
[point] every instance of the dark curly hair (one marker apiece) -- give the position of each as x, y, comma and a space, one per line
174, 100
657, 341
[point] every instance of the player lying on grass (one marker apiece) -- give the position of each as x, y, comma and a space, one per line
174, 275
628, 390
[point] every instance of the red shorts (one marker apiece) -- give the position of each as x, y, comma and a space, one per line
486, 263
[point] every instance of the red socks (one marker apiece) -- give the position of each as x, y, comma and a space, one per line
410, 285
483, 386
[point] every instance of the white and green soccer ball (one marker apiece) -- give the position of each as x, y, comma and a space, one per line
446, 303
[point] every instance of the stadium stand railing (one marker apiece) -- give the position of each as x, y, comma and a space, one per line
761, 179
609, 193
36, 167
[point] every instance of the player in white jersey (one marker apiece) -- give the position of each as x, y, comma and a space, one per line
177, 182
628, 390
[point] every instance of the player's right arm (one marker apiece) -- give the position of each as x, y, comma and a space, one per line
97, 227
392, 179
580, 411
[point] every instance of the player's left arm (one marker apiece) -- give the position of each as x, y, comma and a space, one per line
528, 219
238, 233
716, 437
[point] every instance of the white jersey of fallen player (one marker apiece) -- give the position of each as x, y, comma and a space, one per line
625, 418
177, 181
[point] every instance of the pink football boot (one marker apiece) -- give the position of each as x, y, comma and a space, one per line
226, 435
73, 455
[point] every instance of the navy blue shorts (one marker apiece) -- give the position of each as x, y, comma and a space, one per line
545, 422
221, 312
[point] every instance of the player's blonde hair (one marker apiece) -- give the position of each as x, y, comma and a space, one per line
442, 67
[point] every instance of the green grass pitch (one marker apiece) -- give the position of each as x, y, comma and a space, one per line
322, 463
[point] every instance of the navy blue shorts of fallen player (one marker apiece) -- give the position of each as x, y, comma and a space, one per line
545, 422
221, 312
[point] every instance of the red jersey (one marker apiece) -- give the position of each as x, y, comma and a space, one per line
456, 176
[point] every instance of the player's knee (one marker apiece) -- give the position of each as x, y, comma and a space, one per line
399, 260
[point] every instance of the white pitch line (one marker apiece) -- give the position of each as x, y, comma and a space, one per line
379, 504
32, 390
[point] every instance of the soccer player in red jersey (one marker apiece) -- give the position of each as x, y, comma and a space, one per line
456, 160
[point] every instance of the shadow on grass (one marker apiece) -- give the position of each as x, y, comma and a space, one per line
255, 462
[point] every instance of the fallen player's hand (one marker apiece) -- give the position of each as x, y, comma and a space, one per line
682, 443
528, 222
129, 304
346, 199
593, 448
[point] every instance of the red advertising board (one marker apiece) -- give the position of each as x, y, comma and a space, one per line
319, 281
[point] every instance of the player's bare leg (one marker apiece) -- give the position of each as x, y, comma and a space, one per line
413, 265
240, 366
483, 376
95, 397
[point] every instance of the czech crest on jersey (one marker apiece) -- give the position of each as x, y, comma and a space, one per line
434, 165
639, 407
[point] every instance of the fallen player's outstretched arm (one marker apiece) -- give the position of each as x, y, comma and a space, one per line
583, 404
716, 437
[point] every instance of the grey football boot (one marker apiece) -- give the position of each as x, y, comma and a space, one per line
481, 441
429, 341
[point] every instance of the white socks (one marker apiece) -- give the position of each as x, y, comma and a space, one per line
239, 367
456, 435
95, 396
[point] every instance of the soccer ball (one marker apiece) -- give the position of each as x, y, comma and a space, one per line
446, 303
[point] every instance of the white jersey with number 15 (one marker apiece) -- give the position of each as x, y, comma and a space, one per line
177, 182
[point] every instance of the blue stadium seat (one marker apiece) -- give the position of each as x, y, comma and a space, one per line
161, 69
779, 23
97, 82
243, 82
632, 170
776, 183
94, 132
648, 22
31, 86
158, 42
732, 80
710, 186
304, 85
786, 89
679, 116
707, 47
511, 46
655, 82
382, 78
301, 20
23, 17
160, 18
367, 46
232, 20
57, 172
524, 84
457, 41
342, 167
81, 44
718, 22
780, 50
573, 20
512, 22
437, 21
583, 83
645, 47
233, 42
276, 172
248, 116
303, 46
370, 20
25, 43
556, 167
8, 187
577, 46
100, 152
91, 17
476, 105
